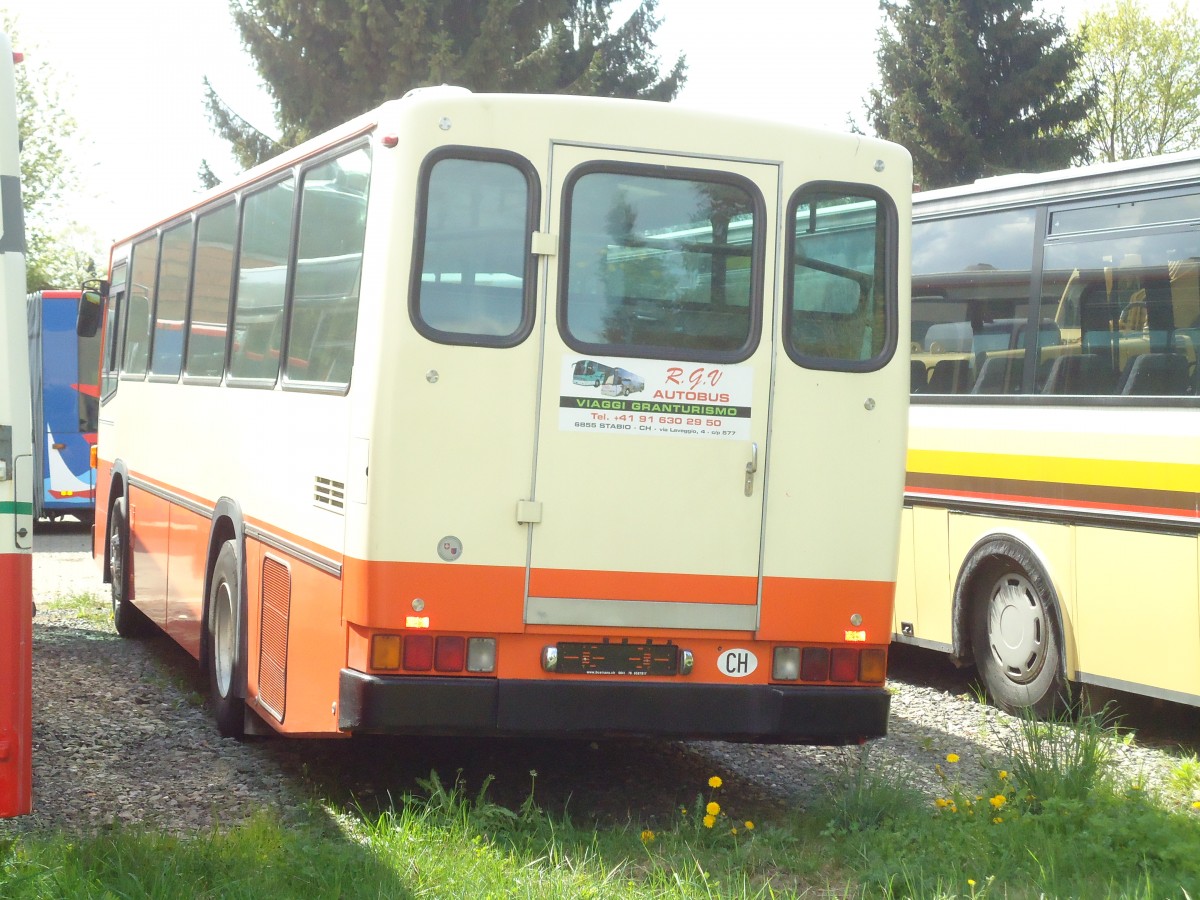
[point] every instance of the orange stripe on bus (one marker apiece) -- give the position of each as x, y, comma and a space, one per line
820, 609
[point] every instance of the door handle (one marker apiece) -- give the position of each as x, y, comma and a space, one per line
751, 468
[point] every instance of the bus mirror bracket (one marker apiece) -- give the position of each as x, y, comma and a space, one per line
91, 306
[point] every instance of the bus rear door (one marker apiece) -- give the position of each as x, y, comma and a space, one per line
648, 492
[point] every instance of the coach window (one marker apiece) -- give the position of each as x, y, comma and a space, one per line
841, 309
139, 305
971, 279
473, 271
262, 282
216, 235
661, 263
174, 272
324, 304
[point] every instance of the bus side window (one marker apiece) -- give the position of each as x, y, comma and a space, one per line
175, 270
324, 298
143, 273
262, 277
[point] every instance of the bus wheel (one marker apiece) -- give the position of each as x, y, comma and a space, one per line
223, 600
129, 621
1015, 638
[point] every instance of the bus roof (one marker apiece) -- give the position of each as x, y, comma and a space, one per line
1083, 181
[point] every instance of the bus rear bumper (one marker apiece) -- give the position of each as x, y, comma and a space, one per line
371, 704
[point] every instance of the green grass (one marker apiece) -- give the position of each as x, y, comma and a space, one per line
1050, 821
86, 607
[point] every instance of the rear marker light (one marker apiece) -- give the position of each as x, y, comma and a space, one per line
450, 654
418, 652
814, 664
385, 651
785, 665
843, 664
481, 655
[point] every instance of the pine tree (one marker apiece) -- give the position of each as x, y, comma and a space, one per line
326, 63
978, 87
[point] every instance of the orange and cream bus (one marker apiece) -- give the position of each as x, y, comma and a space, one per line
1052, 521
370, 490
16, 470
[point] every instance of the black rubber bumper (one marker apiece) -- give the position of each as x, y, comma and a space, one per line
760, 713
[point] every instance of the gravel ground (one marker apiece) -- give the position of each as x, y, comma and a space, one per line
121, 735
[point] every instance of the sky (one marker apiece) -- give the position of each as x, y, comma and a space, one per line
131, 74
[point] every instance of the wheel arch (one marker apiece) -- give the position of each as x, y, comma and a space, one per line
1025, 552
227, 525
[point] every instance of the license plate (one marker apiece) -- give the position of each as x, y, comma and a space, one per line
618, 659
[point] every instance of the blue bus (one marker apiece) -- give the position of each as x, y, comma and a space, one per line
65, 372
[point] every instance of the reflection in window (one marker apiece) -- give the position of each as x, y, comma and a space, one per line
171, 308
474, 252
841, 301
1128, 309
661, 266
215, 238
333, 221
144, 269
970, 303
262, 278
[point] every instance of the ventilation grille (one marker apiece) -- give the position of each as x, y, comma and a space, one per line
272, 657
329, 494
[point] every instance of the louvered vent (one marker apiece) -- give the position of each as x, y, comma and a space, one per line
329, 494
272, 657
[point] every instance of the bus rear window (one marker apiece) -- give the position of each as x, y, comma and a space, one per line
841, 306
661, 264
472, 278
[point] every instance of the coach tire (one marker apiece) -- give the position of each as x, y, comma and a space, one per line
1016, 635
224, 599
129, 621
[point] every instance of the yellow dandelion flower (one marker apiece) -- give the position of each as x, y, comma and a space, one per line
997, 820
647, 836
715, 781
951, 757
733, 830
710, 821
971, 882
941, 802
683, 810
713, 808
749, 825
1196, 804
998, 801
1003, 775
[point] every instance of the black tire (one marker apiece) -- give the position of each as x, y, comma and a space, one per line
1015, 633
224, 607
129, 621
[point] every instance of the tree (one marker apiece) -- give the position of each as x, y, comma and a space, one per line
978, 87
1148, 73
54, 254
326, 63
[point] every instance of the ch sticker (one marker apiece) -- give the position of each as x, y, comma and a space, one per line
737, 663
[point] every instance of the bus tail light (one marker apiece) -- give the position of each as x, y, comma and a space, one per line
843, 664
418, 652
450, 653
481, 654
872, 666
385, 651
785, 664
814, 664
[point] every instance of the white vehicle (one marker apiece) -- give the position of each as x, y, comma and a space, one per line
362, 492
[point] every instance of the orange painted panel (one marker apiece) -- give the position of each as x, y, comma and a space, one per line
149, 535
188, 542
456, 597
816, 609
643, 586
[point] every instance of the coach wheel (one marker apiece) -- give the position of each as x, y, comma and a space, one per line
223, 601
127, 618
1015, 637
